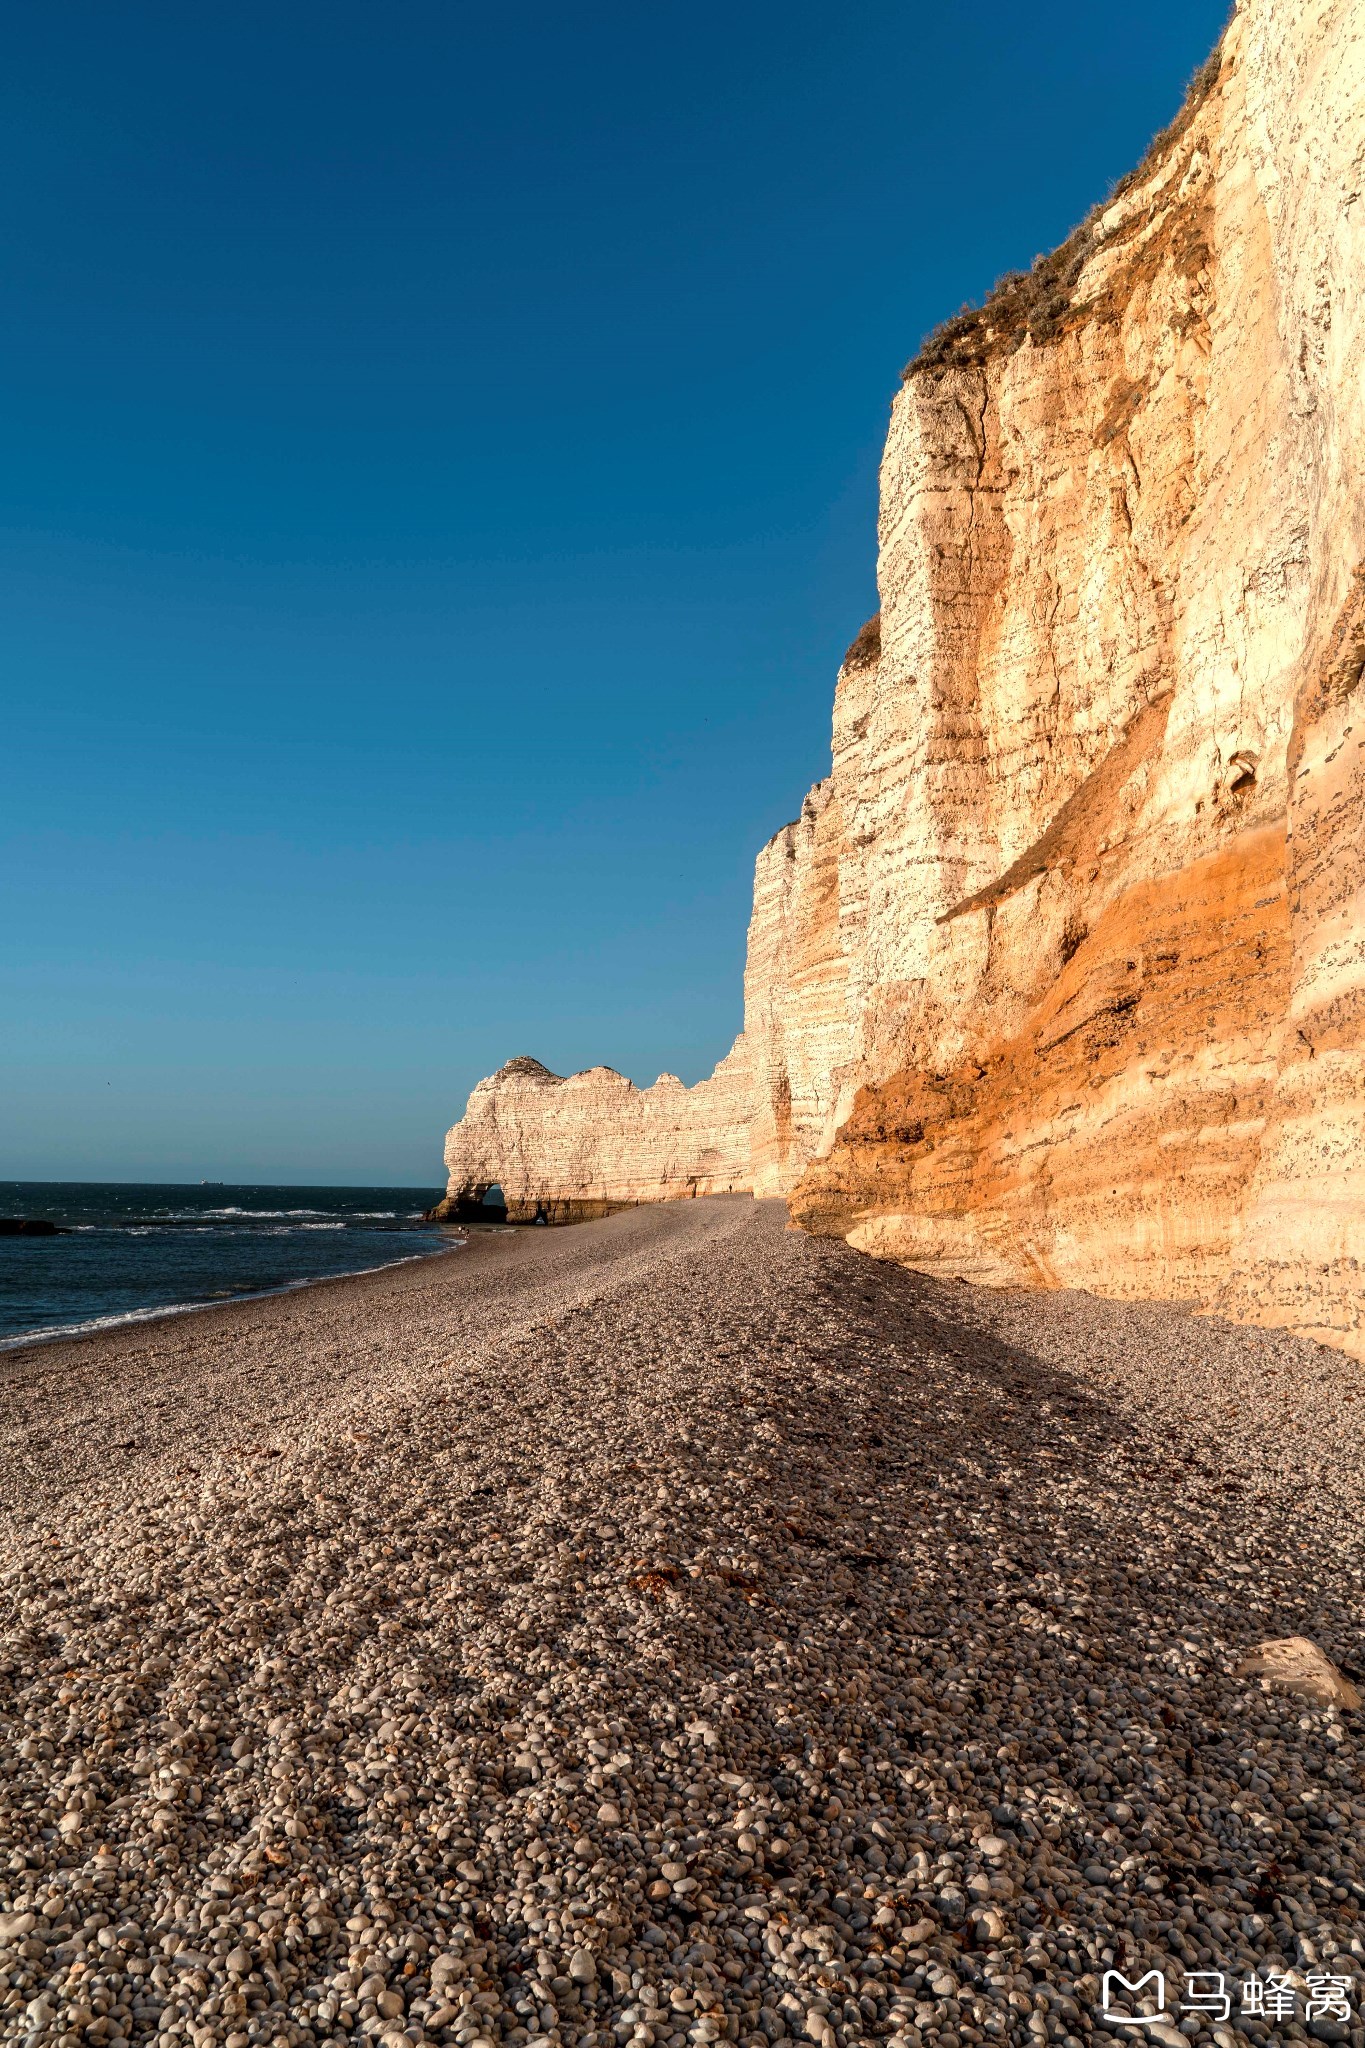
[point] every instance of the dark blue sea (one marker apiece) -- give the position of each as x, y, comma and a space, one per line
135, 1251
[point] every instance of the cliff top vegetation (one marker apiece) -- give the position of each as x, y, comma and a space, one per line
1032, 305
866, 645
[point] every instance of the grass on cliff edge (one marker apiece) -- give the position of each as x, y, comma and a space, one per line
1030, 305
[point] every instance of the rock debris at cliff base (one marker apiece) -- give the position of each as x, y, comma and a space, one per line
676, 1630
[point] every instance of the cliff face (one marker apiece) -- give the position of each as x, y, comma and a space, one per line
1057, 978
1108, 796
584, 1146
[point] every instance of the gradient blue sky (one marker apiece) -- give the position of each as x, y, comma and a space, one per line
438, 481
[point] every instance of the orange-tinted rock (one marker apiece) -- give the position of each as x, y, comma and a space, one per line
1121, 1124
1110, 802
1060, 975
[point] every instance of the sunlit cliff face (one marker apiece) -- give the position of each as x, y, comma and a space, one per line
1056, 980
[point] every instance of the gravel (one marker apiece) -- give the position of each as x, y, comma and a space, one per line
669, 1630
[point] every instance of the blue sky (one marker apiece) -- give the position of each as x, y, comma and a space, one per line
438, 480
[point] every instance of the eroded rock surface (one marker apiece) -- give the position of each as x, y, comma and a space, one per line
1057, 978
576, 1147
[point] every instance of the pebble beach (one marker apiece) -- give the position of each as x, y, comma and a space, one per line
672, 1630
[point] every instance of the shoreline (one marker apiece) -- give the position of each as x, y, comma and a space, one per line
103, 1408
675, 1631
59, 1333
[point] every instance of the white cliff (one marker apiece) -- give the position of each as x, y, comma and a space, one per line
1059, 978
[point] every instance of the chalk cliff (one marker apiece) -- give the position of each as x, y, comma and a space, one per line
1058, 978
584, 1145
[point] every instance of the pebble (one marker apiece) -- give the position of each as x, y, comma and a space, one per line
765, 1645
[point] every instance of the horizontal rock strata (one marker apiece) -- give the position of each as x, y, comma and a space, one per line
569, 1149
1057, 978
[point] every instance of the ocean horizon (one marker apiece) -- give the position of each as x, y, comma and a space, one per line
129, 1251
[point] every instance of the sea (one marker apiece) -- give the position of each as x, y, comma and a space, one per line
130, 1251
